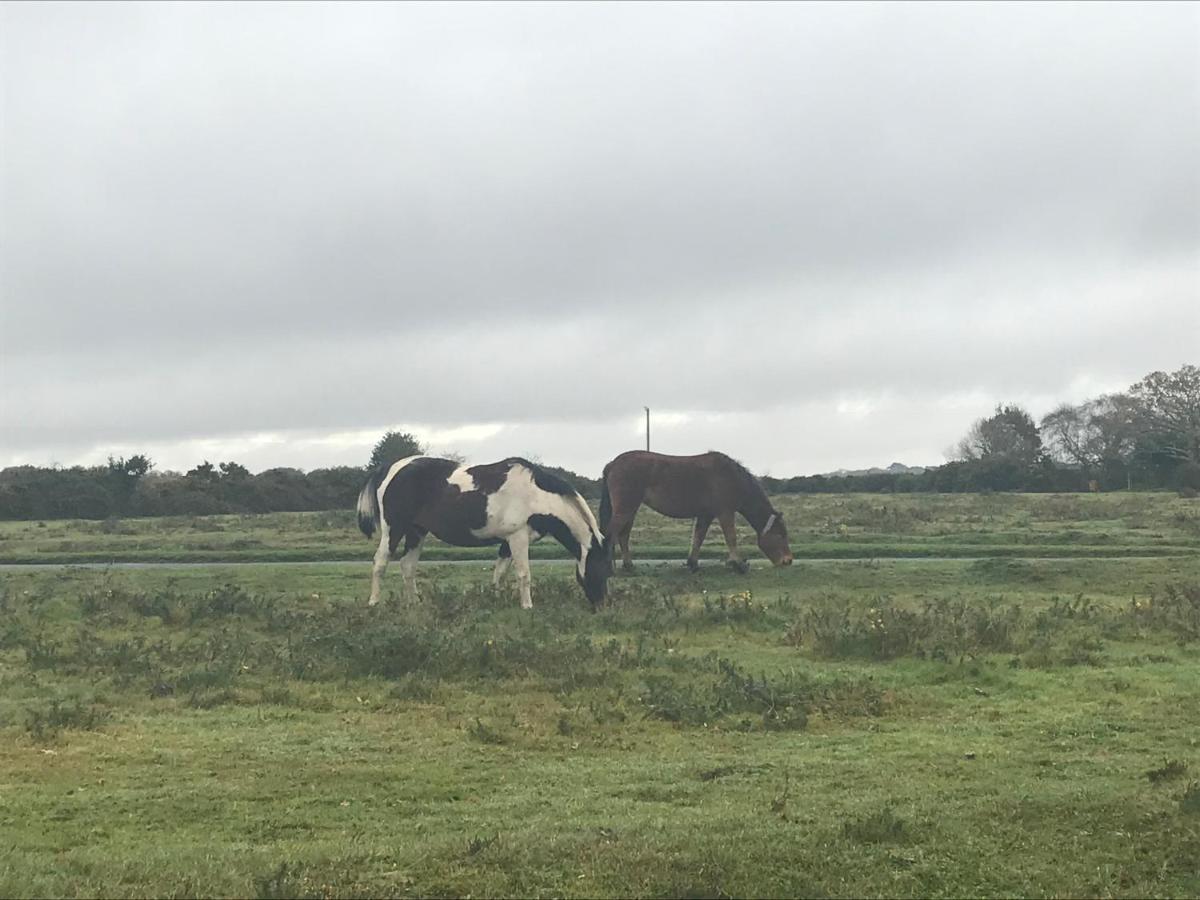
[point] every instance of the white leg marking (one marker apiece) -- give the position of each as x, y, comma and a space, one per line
518, 543
381, 561
408, 569
502, 566
381, 555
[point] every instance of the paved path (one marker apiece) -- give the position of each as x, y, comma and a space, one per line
487, 563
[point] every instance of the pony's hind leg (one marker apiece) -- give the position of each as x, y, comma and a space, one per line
503, 563
623, 538
387, 546
729, 529
699, 530
625, 505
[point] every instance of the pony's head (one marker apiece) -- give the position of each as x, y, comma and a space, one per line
773, 540
592, 574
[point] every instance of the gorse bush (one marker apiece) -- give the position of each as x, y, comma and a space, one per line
944, 628
729, 692
1069, 631
215, 647
228, 645
44, 722
1175, 609
880, 827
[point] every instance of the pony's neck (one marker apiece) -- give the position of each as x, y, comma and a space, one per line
756, 508
583, 526
571, 526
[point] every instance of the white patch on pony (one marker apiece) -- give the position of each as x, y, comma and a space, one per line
387, 479
770, 522
519, 497
462, 479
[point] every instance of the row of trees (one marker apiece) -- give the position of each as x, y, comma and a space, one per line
1146, 437
120, 489
131, 487
1143, 438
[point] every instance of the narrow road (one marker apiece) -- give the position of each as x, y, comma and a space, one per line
487, 563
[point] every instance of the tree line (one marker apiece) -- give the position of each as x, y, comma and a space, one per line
1147, 437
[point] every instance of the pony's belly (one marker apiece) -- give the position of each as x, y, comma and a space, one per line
460, 521
676, 506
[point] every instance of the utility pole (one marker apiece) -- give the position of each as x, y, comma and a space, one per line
647, 428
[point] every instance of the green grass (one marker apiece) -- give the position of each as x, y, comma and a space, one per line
821, 527
841, 728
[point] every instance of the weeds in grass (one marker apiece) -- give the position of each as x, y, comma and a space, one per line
479, 843
287, 882
880, 827
45, 723
782, 703
779, 804
1067, 632
1171, 768
485, 734
1076, 650
740, 609
1189, 802
1175, 610
945, 628
414, 686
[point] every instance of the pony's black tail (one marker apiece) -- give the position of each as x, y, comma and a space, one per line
605, 503
368, 502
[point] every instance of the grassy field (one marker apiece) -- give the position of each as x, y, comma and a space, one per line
926, 727
822, 526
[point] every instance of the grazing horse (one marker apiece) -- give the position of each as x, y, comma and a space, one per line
705, 487
511, 503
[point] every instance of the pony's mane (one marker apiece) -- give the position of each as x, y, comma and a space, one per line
748, 478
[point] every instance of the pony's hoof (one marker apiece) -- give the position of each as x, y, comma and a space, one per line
739, 565
692, 565
627, 568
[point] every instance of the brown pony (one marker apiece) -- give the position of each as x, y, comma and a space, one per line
705, 487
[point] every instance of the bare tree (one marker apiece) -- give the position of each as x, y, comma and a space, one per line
1094, 433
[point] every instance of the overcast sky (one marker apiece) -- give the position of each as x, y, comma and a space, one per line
811, 236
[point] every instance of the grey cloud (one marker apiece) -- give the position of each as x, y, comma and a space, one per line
223, 219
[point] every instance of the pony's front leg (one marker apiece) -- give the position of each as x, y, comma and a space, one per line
699, 530
408, 562
503, 561
729, 529
518, 544
381, 560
